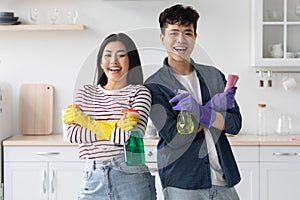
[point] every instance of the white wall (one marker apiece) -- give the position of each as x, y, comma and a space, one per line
60, 57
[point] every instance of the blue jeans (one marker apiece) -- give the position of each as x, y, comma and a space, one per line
115, 180
213, 193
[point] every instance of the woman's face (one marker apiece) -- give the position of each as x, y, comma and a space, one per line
115, 61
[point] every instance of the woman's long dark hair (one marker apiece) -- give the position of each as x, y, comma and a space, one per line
135, 73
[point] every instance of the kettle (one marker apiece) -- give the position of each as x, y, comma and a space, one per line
276, 50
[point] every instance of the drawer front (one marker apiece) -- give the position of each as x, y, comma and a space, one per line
246, 153
279, 153
150, 153
41, 153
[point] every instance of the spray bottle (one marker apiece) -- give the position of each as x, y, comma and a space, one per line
185, 124
134, 146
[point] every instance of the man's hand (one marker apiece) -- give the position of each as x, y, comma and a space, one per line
222, 101
205, 115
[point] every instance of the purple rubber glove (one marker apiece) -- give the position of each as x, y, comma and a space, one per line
186, 102
222, 101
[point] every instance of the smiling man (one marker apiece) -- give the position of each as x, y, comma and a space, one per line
197, 165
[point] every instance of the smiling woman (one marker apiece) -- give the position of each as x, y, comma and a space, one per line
106, 54
115, 63
99, 127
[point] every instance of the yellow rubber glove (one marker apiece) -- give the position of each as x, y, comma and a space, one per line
74, 115
129, 120
102, 129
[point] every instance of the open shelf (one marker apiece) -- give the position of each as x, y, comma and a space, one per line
28, 27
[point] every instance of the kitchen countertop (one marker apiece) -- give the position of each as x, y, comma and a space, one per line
236, 140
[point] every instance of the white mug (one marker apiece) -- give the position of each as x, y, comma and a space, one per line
289, 83
276, 50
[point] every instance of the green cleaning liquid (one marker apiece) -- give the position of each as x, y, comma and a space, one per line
134, 148
184, 123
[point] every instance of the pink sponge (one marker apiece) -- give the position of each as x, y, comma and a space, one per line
231, 81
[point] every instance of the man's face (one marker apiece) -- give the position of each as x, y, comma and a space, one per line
179, 41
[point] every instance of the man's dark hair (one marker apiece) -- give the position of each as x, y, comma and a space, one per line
178, 14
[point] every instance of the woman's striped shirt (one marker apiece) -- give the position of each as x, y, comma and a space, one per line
101, 104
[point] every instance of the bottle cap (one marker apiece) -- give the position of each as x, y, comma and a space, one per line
129, 110
262, 105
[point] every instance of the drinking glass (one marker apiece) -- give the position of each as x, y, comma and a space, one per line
54, 15
284, 124
34, 15
72, 16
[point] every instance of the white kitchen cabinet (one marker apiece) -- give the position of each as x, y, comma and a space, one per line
151, 161
42, 173
279, 172
248, 188
154, 172
25, 180
248, 162
65, 180
50, 171
275, 23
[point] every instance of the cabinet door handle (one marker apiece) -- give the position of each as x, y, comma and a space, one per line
284, 154
52, 180
43, 153
44, 177
150, 153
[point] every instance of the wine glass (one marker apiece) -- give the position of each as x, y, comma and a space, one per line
54, 15
72, 16
34, 15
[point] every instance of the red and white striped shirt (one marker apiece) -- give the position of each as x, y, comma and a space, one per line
101, 104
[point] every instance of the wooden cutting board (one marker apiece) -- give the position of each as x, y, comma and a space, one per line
36, 109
